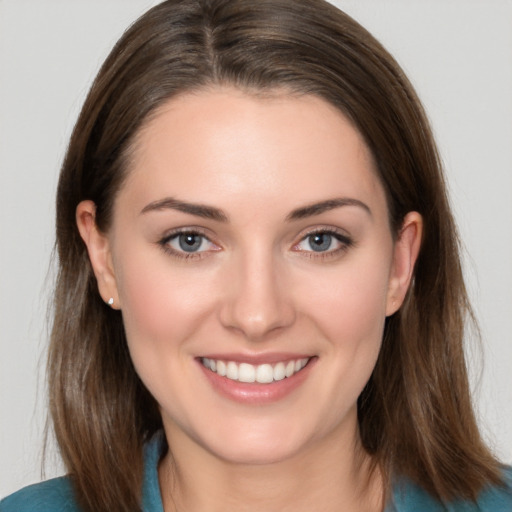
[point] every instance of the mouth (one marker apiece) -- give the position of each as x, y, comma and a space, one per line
265, 373
264, 380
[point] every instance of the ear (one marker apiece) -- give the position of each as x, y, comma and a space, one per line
406, 250
98, 247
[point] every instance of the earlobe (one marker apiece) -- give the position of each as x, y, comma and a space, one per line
406, 250
98, 248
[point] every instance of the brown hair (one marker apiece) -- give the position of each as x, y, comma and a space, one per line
415, 413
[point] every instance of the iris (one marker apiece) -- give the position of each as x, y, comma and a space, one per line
320, 242
190, 242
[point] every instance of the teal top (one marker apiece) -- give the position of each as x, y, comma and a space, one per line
56, 495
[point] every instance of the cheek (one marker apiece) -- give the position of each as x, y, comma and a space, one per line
162, 307
349, 309
350, 305
161, 303
351, 317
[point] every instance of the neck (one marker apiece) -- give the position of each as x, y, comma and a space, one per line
328, 475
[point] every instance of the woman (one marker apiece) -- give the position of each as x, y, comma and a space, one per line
260, 303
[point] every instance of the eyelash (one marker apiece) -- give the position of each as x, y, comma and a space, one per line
183, 255
345, 243
344, 240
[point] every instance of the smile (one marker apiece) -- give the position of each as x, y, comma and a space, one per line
249, 373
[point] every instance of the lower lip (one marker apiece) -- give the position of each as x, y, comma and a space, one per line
254, 393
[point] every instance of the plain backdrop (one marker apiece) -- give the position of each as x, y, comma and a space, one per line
458, 54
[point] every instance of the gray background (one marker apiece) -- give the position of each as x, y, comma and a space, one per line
458, 54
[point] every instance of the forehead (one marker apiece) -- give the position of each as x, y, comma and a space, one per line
225, 144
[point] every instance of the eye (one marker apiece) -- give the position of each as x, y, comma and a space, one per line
319, 242
186, 244
189, 242
324, 241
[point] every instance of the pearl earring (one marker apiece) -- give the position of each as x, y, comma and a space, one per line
111, 301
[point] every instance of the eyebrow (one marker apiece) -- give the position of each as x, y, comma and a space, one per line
324, 206
212, 213
199, 210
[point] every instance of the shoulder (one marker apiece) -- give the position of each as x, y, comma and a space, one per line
408, 497
54, 495
57, 495
498, 498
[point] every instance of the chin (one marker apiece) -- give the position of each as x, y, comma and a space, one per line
264, 443
249, 452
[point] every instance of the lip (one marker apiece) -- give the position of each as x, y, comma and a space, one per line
255, 393
270, 358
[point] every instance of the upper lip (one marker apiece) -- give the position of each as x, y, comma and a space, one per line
255, 359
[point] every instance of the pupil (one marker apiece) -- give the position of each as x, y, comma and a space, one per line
190, 242
320, 242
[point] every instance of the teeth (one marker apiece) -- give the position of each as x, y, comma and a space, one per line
246, 373
231, 370
279, 371
221, 368
262, 373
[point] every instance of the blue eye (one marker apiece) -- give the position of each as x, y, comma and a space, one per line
320, 242
329, 242
188, 242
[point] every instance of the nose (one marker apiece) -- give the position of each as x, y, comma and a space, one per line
256, 301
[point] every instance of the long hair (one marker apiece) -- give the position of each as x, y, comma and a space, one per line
415, 414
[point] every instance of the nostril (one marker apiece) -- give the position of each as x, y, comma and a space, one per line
255, 301
256, 325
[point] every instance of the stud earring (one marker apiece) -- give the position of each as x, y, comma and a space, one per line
111, 301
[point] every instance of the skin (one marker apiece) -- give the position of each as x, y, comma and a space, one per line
256, 287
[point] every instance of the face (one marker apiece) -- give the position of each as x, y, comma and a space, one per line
251, 257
